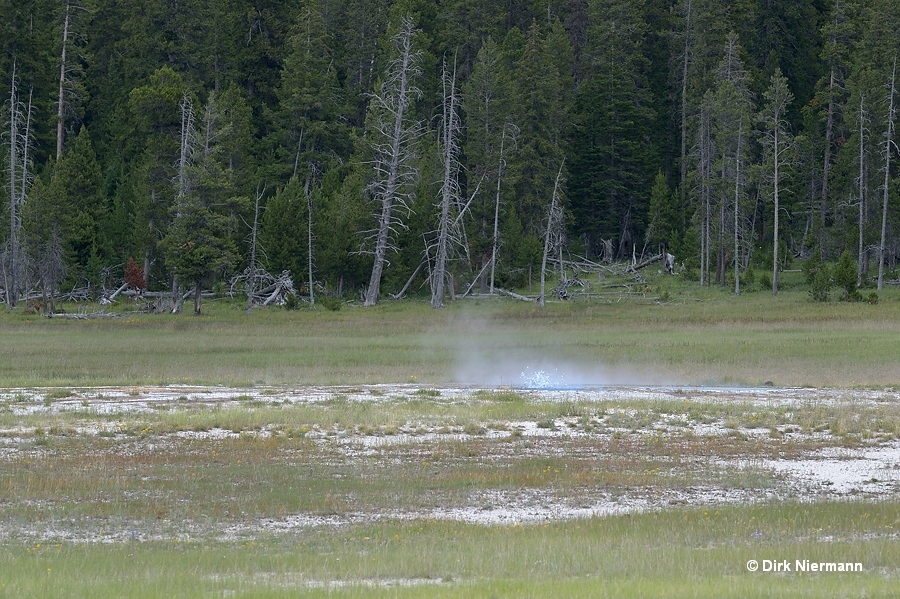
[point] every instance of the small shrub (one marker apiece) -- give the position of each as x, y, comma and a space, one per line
331, 302
811, 268
691, 274
820, 288
844, 276
291, 302
765, 281
749, 278
473, 429
872, 299
134, 275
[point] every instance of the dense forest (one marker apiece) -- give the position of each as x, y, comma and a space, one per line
367, 146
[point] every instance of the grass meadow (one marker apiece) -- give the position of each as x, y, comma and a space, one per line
698, 336
119, 503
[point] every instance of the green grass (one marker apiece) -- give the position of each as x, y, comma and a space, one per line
185, 516
687, 553
701, 336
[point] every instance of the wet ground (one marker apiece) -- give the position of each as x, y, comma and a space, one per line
821, 464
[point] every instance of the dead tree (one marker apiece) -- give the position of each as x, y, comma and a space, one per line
706, 162
309, 242
70, 21
20, 178
554, 219
251, 280
778, 144
393, 141
450, 193
737, 210
61, 107
500, 165
50, 269
183, 188
862, 119
888, 149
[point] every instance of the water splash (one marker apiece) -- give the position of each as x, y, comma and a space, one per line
541, 379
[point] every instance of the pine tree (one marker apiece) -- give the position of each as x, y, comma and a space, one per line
613, 165
310, 99
778, 143
490, 142
542, 117
76, 209
154, 108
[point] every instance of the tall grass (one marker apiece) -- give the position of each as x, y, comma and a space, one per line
703, 336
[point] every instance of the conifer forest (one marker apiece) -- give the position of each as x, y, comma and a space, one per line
374, 148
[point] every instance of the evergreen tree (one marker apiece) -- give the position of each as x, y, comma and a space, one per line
612, 162
490, 143
542, 115
731, 119
282, 235
155, 112
310, 100
76, 208
663, 226
196, 246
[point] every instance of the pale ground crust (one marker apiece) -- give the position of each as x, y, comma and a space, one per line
867, 472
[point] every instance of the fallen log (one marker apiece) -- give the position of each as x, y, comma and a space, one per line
647, 262
514, 295
111, 298
85, 316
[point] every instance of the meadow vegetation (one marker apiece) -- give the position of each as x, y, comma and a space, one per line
255, 494
699, 336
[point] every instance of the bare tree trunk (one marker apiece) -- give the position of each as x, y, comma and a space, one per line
862, 191
197, 295
60, 111
309, 242
177, 296
186, 149
449, 188
19, 178
705, 191
251, 280
826, 165
720, 260
737, 210
12, 283
551, 218
775, 248
888, 148
686, 59
393, 168
496, 237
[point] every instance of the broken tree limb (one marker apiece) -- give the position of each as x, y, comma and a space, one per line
514, 295
111, 298
409, 281
647, 262
475, 280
